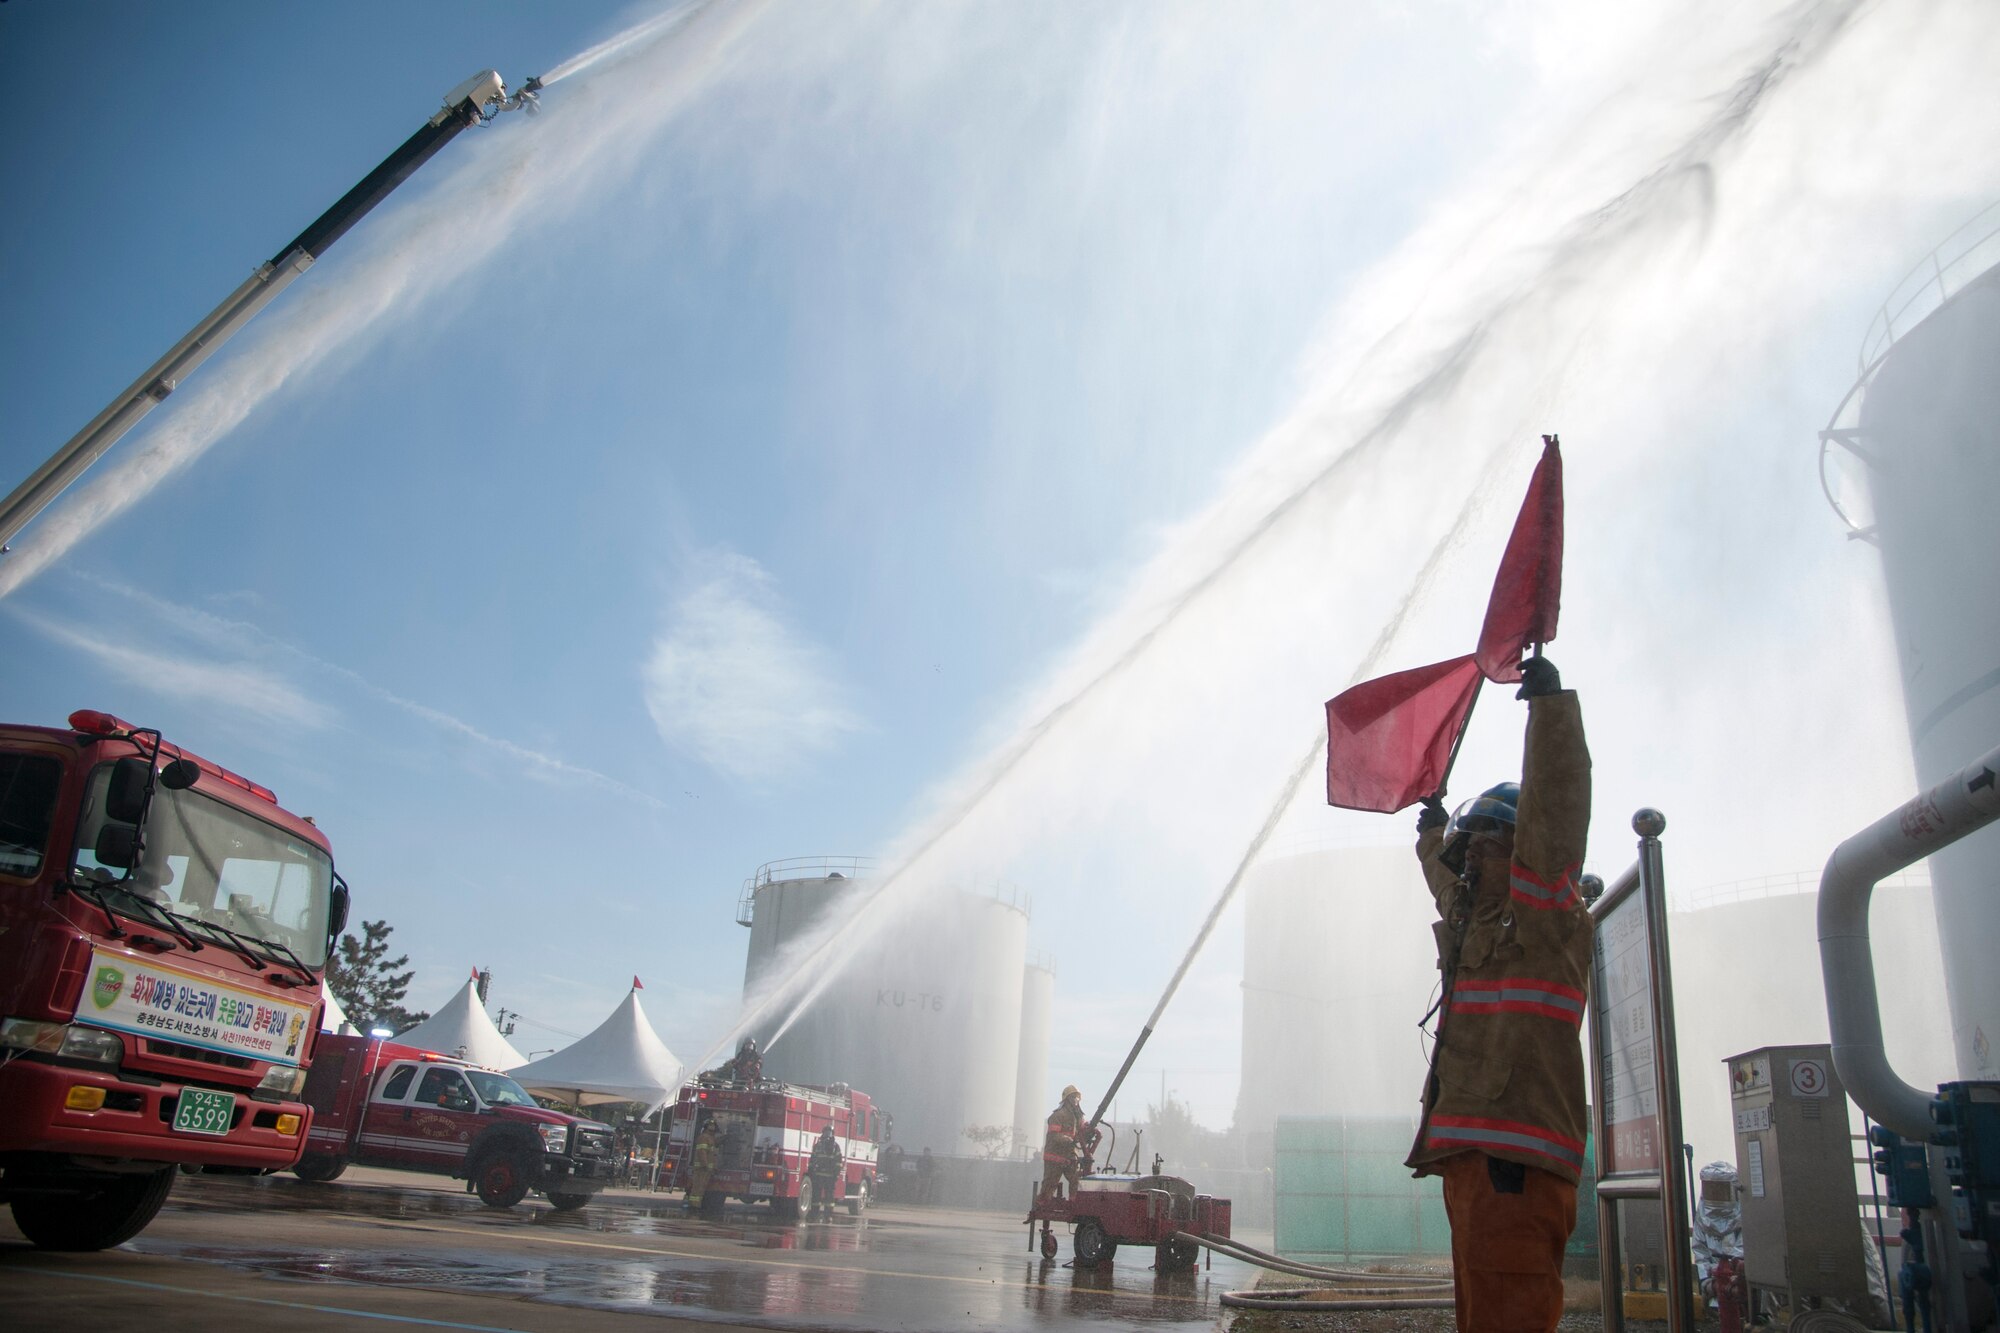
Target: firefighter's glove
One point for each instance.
(1538, 677)
(1431, 816)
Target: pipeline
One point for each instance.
(1367, 1291)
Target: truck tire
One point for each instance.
(320, 1167)
(501, 1181)
(857, 1202)
(1174, 1255)
(568, 1203)
(1092, 1246)
(93, 1219)
(803, 1205)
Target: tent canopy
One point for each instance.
(333, 1018)
(622, 1060)
(462, 1029)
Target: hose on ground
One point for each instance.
(1237, 1250)
(1365, 1291)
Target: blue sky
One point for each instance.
(726, 464)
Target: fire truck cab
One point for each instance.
(378, 1103)
(766, 1134)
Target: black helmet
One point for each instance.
(748, 1047)
(1489, 812)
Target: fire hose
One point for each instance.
(1357, 1290)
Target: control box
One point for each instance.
(1803, 1243)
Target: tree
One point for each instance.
(995, 1141)
(367, 984)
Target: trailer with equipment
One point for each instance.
(163, 927)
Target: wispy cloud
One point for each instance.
(731, 683)
(244, 687)
(243, 639)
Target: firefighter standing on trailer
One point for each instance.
(706, 1153)
(1060, 1146)
(1504, 1106)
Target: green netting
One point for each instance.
(1341, 1190)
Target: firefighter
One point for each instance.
(707, 1151)
(749, 1066)
(1504, 1120)
(824, 1169)
(1060, 1145)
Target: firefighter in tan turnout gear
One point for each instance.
(1504, 1119)
(1062, 1145)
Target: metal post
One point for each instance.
(1649, 825)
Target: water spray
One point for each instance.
(475, 102)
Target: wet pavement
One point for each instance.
(373, 1235)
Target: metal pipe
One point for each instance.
(1649, 825)
(1961, 804)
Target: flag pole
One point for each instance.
(1458, 740)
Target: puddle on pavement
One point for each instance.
(944, 1278)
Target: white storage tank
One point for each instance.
(1032, 1102)
(1928, 433)
(924, 1015)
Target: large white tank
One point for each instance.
(1338, 967)
(1928, 427)
(1031, 1070)
(924, 1016)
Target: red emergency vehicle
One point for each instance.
(378, 1103)
(163, 926)
(766, 1134)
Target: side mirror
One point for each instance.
(117, 845)
(180, 775)
(336, 909)
(126, 799)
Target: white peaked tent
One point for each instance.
(333, 1018)
(462, 1029)
(622, 1060)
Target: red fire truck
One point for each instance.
(381, 1104)
(163, 926)
(766, 1134)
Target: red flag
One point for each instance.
(475, 974)
(636, 985)
(1389, 740)
(1528, 590)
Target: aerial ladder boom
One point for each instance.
(478, 99)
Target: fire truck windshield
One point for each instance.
(217, 870)
(498, 1089)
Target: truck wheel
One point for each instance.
(857, 1202)
(1048, 1245)
(1092, 1246)
(1174, 1255)
(568, 1203)
(502, 1180)
(93, 1219)
(319, 1167)
(803, 1205)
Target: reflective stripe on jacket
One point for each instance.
(1507, 1074)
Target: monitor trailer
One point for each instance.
(164, 926)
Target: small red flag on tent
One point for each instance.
(475, 974)
(1390, 740)
(636, 985)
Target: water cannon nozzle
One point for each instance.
(527, 98)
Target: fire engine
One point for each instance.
(766, 1132)
(163, 926)
(378, 1103)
